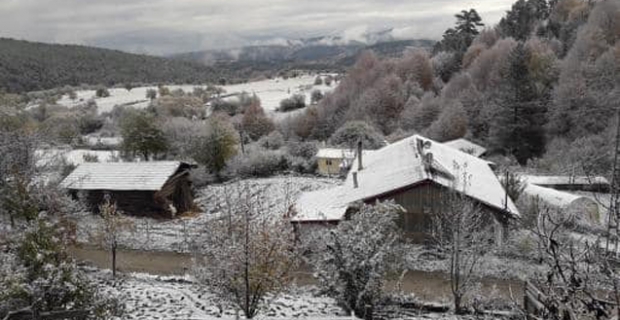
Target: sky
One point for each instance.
(164, 27)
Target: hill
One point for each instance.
(318, 53)
(28, 66)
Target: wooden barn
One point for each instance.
(160, 188)
(416, 173)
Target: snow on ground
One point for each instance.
(177, 234)
(153, 297)
(270, 92)
(53, 156)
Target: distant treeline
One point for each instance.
(29, 66)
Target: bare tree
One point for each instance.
(580, 281)
(248, 255)
(112, 227)
(462, 231)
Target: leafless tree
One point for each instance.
(462, 231)
(247, 255)
(112, 228)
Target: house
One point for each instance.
(332, 161)
(414, 172)
(467, 146)
(139, 188)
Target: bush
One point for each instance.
(258, 162)
(272, 141)
(297, 101)
(102, 92)
(318, 81)
(230, 107)
(316, 96)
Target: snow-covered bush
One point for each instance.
(37, 274)
(272, 141)
(352, 260)
(257, 162)
(306, 150)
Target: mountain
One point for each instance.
(28, 66)
(332, 52)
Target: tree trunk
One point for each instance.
(457, 303)
(114, 260)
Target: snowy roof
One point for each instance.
(467, 147)
(554, 197)
(143, 176)
(401, 165)
(332, 153)
(565, 180)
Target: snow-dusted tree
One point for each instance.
(353, 260)
(246, 257)
(112, 227)
(451, 124)
(255, 122)
(37, 276)
(218, 145)
(142, 135)
(352, 132)
(463, 232)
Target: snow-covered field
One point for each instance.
(177, 234)
(270, 92)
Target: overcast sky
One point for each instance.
(171, 26)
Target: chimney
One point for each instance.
(359, 155)
(355, 183)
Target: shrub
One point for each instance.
(230, 107)
(316, 96)
(318, 81)
(272, 141)
(102, 92)
(258, 162)
(297, 101)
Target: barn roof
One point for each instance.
(467, 147)
(126, 176)
(400, 166)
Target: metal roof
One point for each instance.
(122, 176)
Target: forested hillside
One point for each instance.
(542, 87)
(28, 66)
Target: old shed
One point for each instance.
(161, 188)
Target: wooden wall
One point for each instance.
(421, 201)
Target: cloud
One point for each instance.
(169, 26)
